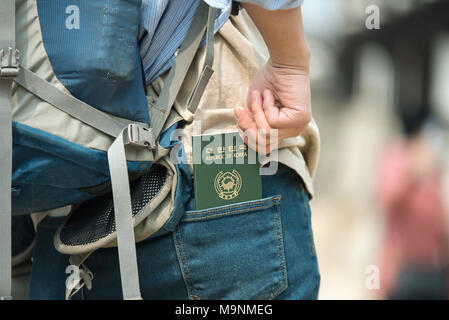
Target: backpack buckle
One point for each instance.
(141, 136)
(9, 67)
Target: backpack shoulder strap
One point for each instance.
(8, 71)
(69, 104)
(207, 70)
(204, 20)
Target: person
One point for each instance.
(414, 256)
(262, 249)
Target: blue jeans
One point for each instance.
(261, 249)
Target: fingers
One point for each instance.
(245, 119)
(270, 109)
(289, 118)
(295, 106)
(257, 110)
(261, 137)
(246, 124)
(254, 126)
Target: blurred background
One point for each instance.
(380, 81)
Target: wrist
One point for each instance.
(298, 63)
(294, 59)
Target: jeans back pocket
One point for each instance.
(234, 251)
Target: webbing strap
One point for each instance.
(160, 110)
(8, 68)
(117, 155)
(207, 70)
(69, 104)
(123, 217)
(5, 188)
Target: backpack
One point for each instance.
(76, 124)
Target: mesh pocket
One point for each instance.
(94, 220)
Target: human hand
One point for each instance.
(278, 99)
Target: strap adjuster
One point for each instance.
(9, 67)
(141, 136)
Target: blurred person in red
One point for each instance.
(414, 257)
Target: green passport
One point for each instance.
(225, 170)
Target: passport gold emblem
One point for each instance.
(228, 184)
(224, 173)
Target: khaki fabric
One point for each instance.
(239, 53)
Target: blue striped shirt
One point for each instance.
(164, 24)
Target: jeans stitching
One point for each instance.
(231, 207)
(230, 212)
(309, 231)
(183, 264)
(280, 248)
(309, 216)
